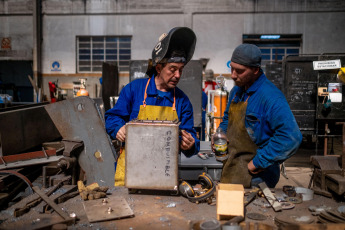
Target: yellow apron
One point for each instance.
(146, 112)
(241, 148)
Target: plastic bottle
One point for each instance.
(220, 144)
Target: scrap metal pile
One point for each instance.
(46, 149)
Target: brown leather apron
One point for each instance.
(241, 148)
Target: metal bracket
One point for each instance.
(71, 146)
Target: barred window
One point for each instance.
(275, 47)
(92, 51)
(276, 52)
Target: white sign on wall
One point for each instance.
(329, 64)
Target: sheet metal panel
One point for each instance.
(300, 88)
(152, 150)
(191, 84)
(80, 119)
(24, 129)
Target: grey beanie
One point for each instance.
(247, 54)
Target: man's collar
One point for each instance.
(256, 84)
(152, 90)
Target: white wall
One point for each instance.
(60, 35)
(219, 26)
(19, 29)
(219, 34)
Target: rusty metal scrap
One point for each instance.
(67, 219)
(28, 156)
(36, 200)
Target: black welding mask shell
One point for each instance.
(178, 37)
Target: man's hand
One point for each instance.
(187, 141)
(121, 134)
(252, 169)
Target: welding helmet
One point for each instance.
(178, 38)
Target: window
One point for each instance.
(92, 51)
(276, 52)
(275, 47)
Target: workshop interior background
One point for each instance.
(68, 45)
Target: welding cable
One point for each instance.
(210, 186)
(200, 198)
(21, 176)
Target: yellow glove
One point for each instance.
(92, 191)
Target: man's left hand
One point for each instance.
(252, 169)
(187, 141)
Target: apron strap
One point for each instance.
(174, 107)
(145, 96)
(236, 95)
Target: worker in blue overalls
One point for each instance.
(157, 97)
(261, 129)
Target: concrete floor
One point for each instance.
(295, 176)
(176, 212)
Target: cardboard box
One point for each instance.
(230, 201)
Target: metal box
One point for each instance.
(152, 149)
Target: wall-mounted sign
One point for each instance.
(6, 43)
(228, 66)
(55, 66)
(329, 64)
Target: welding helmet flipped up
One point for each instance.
(177, 38)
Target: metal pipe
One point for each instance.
(325, 141)
(343, 149)
(21, 176)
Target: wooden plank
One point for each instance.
(270, 197)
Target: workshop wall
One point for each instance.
(219, 26)
(19, 30)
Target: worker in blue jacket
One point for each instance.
(157, 97)
(261, 129)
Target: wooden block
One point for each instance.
(270, 197)
(230, 201)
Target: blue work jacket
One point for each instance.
(269, 122)
(132, 96)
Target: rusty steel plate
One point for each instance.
(107, 209)
(79, 119)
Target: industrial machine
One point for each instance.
(329, 170)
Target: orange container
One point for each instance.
(220, 101)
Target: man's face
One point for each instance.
(169, 74)
(243, 75)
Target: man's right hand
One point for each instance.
(121, 134)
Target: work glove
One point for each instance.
(92, 191)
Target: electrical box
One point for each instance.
(152, 150)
